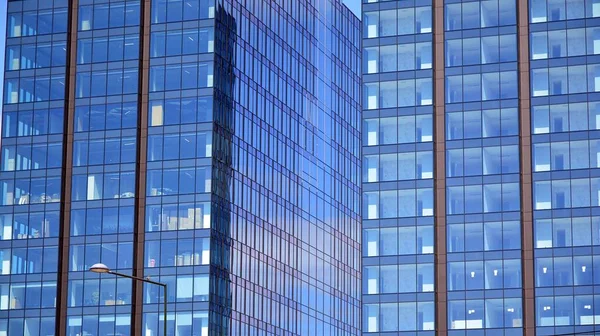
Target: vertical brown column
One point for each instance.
(441, 306)
(140, 194)
(526, 186)
(67, 173)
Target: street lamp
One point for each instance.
(101, 268)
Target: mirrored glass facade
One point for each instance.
(398, 199)
(564, 107)
(103, 166)
(211, 145)
(31, 165)
(483, 231)
(484, 113)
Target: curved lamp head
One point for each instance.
(99, 268)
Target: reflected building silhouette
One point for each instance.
(285, 255)
(222, 201)
(211, 145)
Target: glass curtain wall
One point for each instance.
(482, 168)
(290, 127)
(178, 178)
(565, 109)
(104, 173)
(30, 165)
(398, 236)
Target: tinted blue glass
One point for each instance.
(554, 231)
(400, 206)
(31, 147)
(474, 96)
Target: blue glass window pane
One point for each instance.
(13, 56)
(155, 147)
(84, 51)
(80, 153)
(205, 106)
(473, 199)
(172, 111)
(207, 9)
(128, 150)
(15, 24)
(187, 181)
(508, 84)
(470, 15)
(44, 24)
(173, 77)
(157, 78)
(28, 56)
(471, 51)
(189, 74)
(101, 12)
(99, 84)
(192, 8)
(9, 124)
(96, 152)
(472, 87)
(127, 185)
(59, 54)
(40, 124)
(159, 11)
(130, 81)
(57, 87)
(115, 48)
(126, 219)
(129, 115)
(97, 117)
(42, 88)
(188, 110)
(205, 72)
(44, 55)
(85, 17)
(132, 13)
(157, 44)
(60, 21)
(100, 49)
(173, 42)
(131, 47)
(29, 24)
(82, 116)
(174, 10)
(117, 14)
(191, 42)
(113, 116)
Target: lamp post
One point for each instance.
(101, 268)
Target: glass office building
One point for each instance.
(212, 145)
(398, 197)
(480, 189)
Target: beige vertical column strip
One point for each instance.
(67, 173)
(140, 195)
(526, 186)
(441, 306)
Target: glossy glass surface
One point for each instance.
(104, 154)
(482, 169)
(30, 169)
(286, 168)
(252, 181)
(178, 212)
(30, 165)
(398, 239)
(564, 108)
